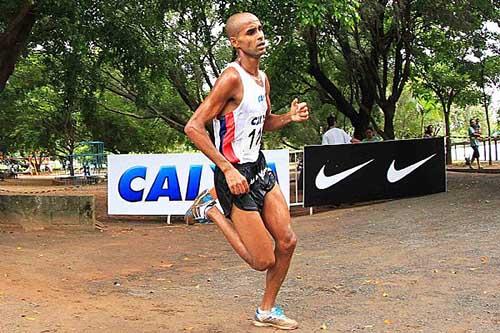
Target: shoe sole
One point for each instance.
(286, 328)
(189, 218)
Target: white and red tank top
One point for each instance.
(238, 133)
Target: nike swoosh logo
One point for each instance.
(394, 175)
(323, 181)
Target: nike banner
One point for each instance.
(352, 173)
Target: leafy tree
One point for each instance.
(17, 18)
(442, 62)
(486, 49)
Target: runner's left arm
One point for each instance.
(299, 112)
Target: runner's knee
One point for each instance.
(288, 243)
(263, 264)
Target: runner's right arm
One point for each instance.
(222, 93)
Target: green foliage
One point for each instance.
(315, 12)
(130, 73)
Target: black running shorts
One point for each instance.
(475, 152)
(260, 178)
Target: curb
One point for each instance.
(488, 171)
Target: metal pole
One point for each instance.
(496, 150)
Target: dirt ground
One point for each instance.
(424, 264)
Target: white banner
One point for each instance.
(167, 184)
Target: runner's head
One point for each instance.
(245, 33)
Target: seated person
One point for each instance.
(371, 136)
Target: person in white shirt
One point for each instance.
(334, 135)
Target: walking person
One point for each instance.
(474, 136)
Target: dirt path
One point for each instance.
(427, 264)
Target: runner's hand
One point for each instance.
(237, 183)
(299, 111)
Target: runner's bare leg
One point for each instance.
(276, 217)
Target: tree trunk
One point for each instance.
(422, 131)
(489, 128)
(389, 109)
(447, 135)
(361, 124)
(14, 39)
(334, 94)
(485, 104)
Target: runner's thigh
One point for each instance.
(253, 233)
(276, 215)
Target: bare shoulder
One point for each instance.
(227, 89)
(229, 77)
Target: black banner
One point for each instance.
(351, 173)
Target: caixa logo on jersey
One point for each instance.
(167, 184)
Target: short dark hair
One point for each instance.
(330, 120)
(369, 128)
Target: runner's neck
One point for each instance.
(251, 66)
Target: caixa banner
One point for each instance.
(352, 173)
(167, 184)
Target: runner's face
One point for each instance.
(251, 39)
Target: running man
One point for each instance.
(240, 108)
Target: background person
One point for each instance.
(474, 143)
(429, 132)
(334, 135)
(371, 136)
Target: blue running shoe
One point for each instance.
(197, 212)
(274, 318)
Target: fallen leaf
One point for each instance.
(484, 259)
(385, 294)
(323, 327)
(388, 322)
(166, 265)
